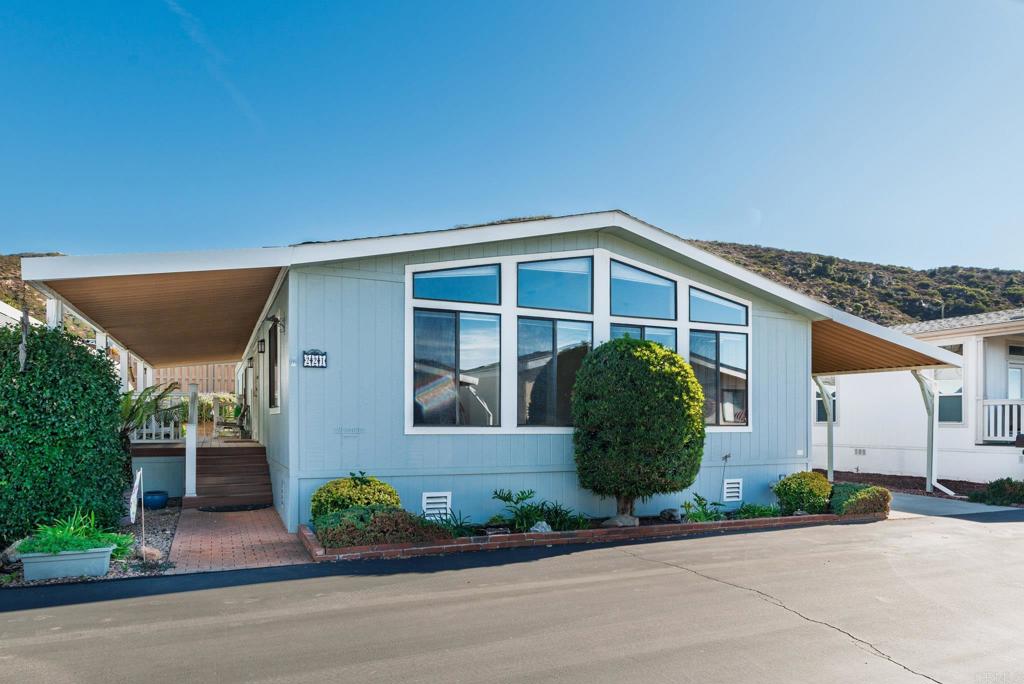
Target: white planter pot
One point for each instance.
(91, 563)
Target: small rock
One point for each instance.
(670, 514)
(622, 521)
(542, 526)
(151, 555)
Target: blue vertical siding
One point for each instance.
(350, 416)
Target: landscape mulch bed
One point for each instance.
(516, 540)
(160, 527)
(906, 484)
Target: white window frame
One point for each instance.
(962, 423)
(274, 410)
(835, 402)
(601, 320)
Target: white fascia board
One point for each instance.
(61, 267)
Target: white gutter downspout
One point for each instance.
(929, 393)
(826, 400)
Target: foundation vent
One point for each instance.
(437, 504)
(732, 490)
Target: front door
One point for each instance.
(1015, 381)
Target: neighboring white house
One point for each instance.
(880, 423)
(11, 316)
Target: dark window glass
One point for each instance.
(562, 284)
(663, 336)
(619, 331)
(708, 308)
(819, 405)
(640, 294)
(550, 353)
(719, 361)
(444, 341)
(479, 284)
(951, 409)
(950, 382)
(274, 376)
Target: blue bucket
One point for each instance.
(155, 499)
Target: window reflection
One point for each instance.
(562, 284)
(719, 361)
(550, 353)
(638, 293)
(708, 308)
(478, 284)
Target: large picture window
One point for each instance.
(274, 368)
(476, 284)
(560, 284)
(719, 361)
(550, 353)
(663, 336)
(708, 308)
(641, 294)
(456, 368)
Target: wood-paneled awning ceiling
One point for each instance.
(174, 319)
(838, 349)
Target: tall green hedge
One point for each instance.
(639, 422)
(59, 421)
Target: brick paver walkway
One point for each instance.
(230, 541)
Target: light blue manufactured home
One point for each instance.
(443, 361)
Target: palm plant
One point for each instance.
(138, 407)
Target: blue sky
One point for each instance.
(884, 131)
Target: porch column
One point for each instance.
(101, 343)
(140, 374)
(54, 313)
(929, 393)
(830, 447)
(125, 375)
(191, 431)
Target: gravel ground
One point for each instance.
(160, 527)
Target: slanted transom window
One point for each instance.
(641, 294)
(559, 284)
(480, 284)
(709, 308)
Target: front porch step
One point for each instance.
(220, 500)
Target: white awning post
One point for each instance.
(930, 394)
(125, 375)
(830, 447)
(190, 439)
(54, 313)
(101, 343)
(140, 374)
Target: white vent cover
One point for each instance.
(437, 504)
(732, 490)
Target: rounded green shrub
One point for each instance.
(804, 491)
(60, 448)
(352, 491)
(866, 500)
(639, 422)
(375, 524)
(1002, 492)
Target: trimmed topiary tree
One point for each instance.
(638, 413)
(59, 444)
(805, 491)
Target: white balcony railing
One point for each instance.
(1002, 419)
(164, 426)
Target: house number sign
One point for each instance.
(314, 358)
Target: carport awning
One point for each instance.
(839, 349)
(177, 318)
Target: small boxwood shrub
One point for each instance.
(867, 500)
(60, 448)
(804, 491)
(375, 524)
(1003, 492)
(351, 491)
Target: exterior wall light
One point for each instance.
(261, 346)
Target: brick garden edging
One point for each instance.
(511, 541)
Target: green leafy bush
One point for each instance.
(59, 433)
(455, 524)
(375, 524)
(354, 490)
(638, 412)
(841, 493)
(524, 513)
(77, 532)
(752, 510)
(1003, 492)
(804, 491)
(872, 499)
(702, 510)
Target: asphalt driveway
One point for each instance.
(910, 600)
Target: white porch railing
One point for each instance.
(1002, 419)
(163, 427)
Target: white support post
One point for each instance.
(54, 313)
(125, 376)
(930, 394)
(191, 431)
(140, 374)
(101, 343)
(826, 400)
